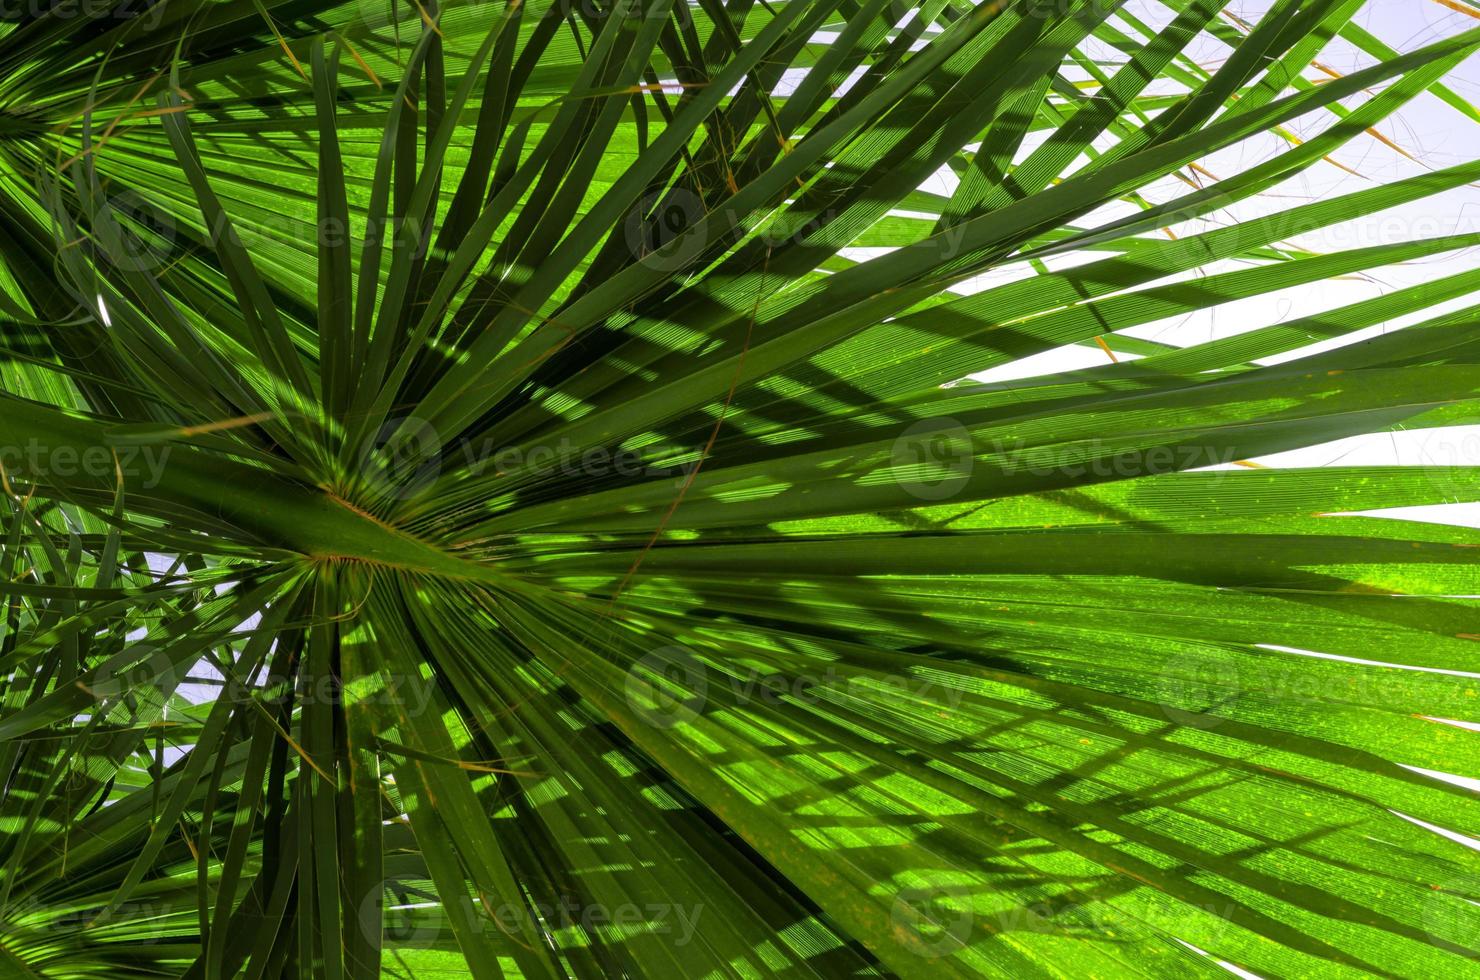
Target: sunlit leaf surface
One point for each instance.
(497, 489)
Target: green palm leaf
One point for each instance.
(499, 490)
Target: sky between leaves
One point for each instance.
(1428, 135)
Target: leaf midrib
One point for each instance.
(270, 509)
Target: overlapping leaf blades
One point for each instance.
(592, 571)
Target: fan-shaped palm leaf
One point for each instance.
(474, 506)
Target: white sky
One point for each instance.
(1433, 133)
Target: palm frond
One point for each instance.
(499, 489)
